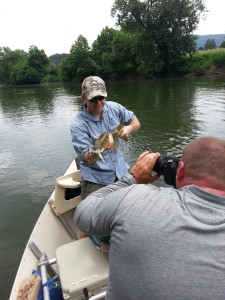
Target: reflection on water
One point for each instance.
(172, 112)
(36, 145)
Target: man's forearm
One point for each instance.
(134, 125)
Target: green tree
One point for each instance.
(124, 56)
(165, 27)
(30, 69)
(3, 51)
(79, 63)
(52, 73)
(222, 44)
(8, 59)
(38, 60)
(112, 51)
(22, 73)
(210, 44)
(146, 58)
(19, 67)
(103, 46)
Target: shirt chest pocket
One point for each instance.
(113, 123)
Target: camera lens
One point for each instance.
(166, 165)
(160, 164)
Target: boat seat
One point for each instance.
(81, 265)
(67, 184)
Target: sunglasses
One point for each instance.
(98, 98)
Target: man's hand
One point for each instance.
(124, 133)
(142, 170)
(110, 142)
(127, 130)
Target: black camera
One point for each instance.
(166, 165)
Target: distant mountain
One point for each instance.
(219, 38)
(57, 58)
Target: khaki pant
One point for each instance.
(88, 187)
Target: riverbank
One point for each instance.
(213, 70)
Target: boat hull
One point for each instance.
(48, 234)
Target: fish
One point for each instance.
(103, 140)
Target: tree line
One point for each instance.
(19, 67)
(155, 39)
(211, 44)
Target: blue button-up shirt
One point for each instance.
(85, 127)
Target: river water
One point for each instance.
(36, 145)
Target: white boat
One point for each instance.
(54, 247)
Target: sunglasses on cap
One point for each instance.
(98, 98)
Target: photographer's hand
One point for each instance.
(142, 170)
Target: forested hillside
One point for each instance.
(57, 58)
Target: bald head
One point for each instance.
(204, 160)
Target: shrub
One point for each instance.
(201, 61)
(218, 57)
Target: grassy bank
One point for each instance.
(203, 62)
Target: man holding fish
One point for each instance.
(96, 135)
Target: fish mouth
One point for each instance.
(98, 151)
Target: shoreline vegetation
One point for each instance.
(200, 63)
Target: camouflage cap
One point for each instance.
(93, 86)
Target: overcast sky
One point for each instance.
(55, 25)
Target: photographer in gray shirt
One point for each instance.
(166, 243)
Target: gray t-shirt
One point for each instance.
(165, 244)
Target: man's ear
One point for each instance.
(180, 170)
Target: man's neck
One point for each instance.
(96, 115)
(202, 184)
(213, 191)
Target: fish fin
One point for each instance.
(99, 154)
(119, 127)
